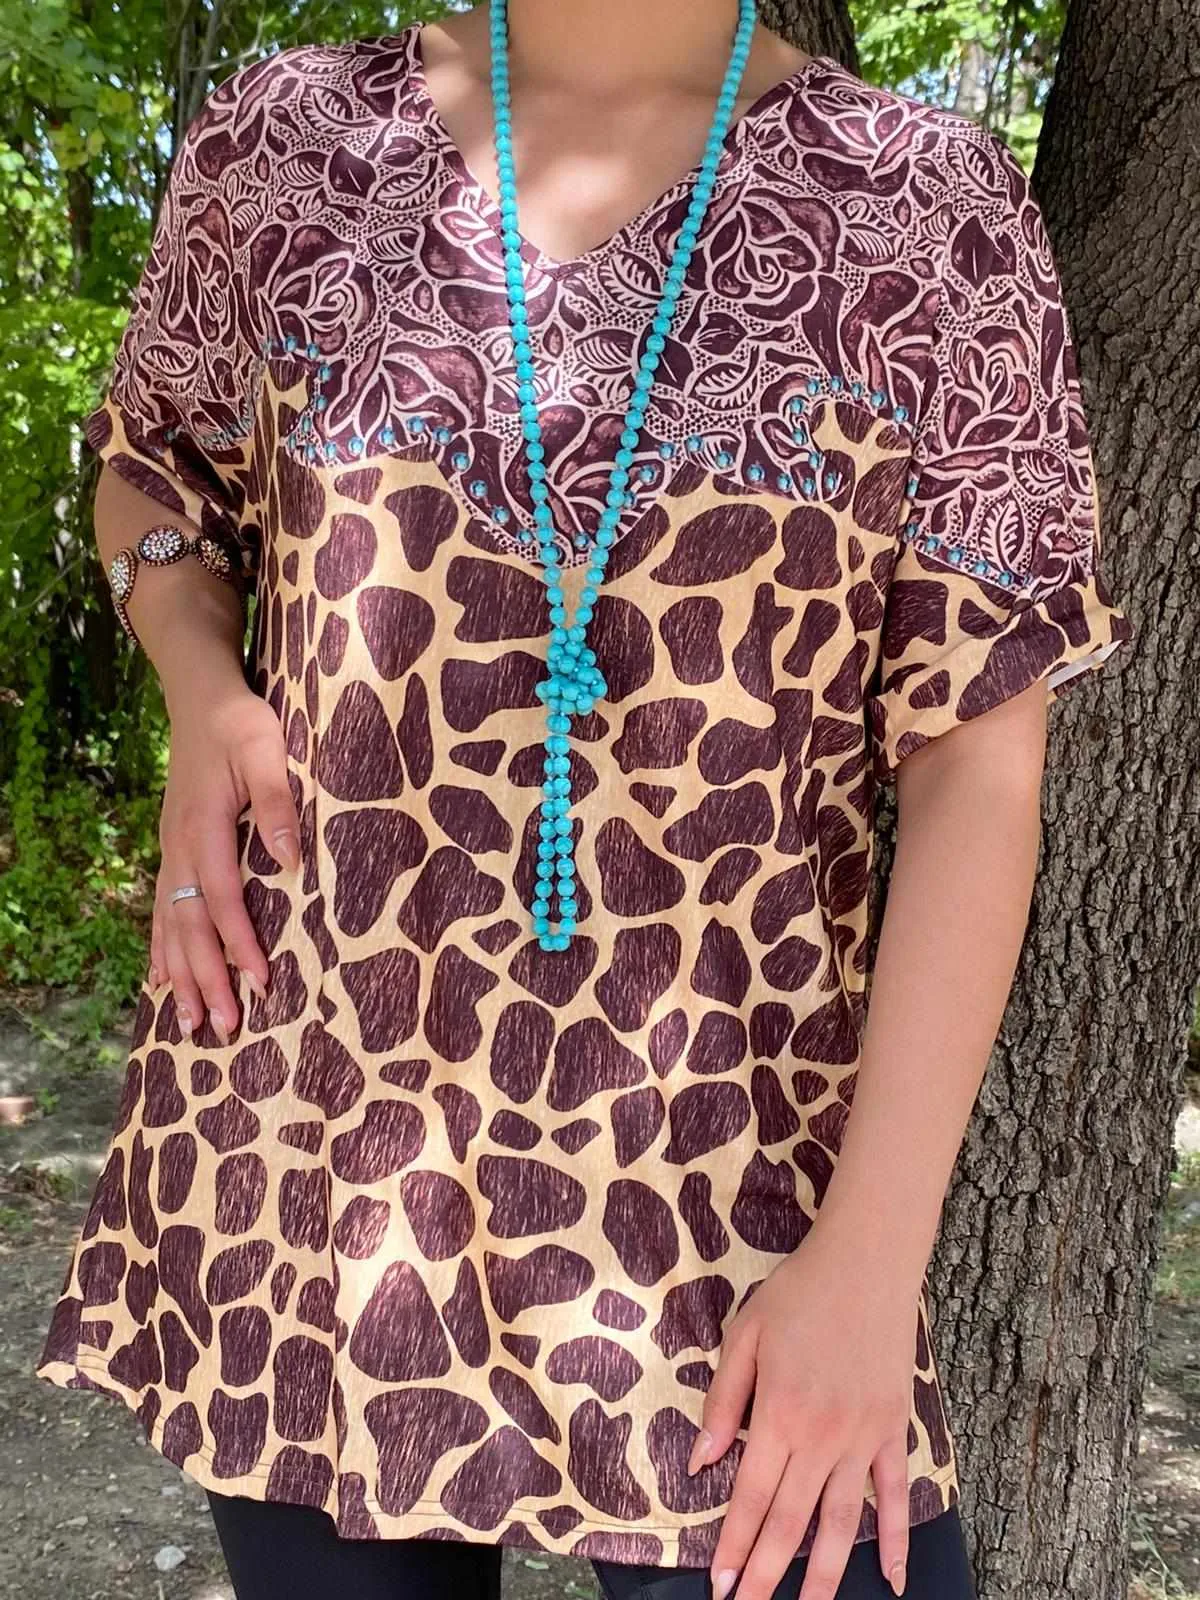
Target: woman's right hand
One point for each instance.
(226, 750)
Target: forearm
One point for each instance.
(188, 621)
(956, 914)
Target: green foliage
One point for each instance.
(91, 96)
(79, 872)
(992, 62)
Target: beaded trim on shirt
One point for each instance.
(805, 473)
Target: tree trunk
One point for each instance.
(821, 27)
(1043, 1272)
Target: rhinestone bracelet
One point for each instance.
(162, 546)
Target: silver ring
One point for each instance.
(187, 891)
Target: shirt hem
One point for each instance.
(197, 1464)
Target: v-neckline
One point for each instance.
(489, 209)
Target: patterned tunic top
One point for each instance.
(444, 1240)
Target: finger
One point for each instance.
(763, 1464)
(839, 1517)
(225, 898)
(202, 951)
(158, 971)
(779, 1538)
(728, 1395)
(264, 772)
(189, 1005)
(889, 1470)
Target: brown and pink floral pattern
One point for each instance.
(446, 1238)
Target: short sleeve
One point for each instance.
(177, 418)
(996, 583)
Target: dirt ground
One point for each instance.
(91, 1512)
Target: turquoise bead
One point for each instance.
(575, 682)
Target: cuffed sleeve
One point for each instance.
(177, 417)
(997, 582)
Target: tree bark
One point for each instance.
(821, 27)
(1043, 1272)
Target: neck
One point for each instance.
(622, 44)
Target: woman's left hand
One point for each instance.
(826, 1351)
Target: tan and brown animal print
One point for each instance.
(445, 1240)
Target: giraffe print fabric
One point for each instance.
(444, 1240)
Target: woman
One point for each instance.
(486, 1172)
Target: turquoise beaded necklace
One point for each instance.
(576, 682)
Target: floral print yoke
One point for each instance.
(444, 1240)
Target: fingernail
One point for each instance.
(152, 976)
(699, 1451)
(725, 1582)
(220, 1027)
(256, 983)
(289, 847)
(185, 1021)
(897, 1577)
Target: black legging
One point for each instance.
(276, 1551)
